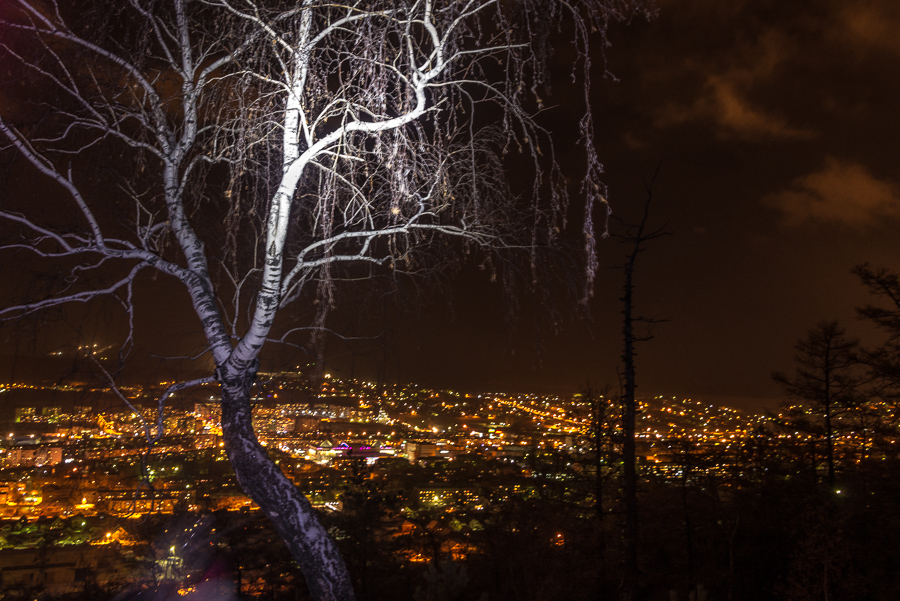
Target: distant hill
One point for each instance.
(12, 399)
(46, 369)
(72, 369)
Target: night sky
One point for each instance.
(775, 128)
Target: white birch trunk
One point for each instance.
(290, 512)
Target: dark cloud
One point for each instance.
(843, 192)
(725, 98)
(868, 25)
(769, 70)
(724, 103)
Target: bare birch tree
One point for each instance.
(259, 152)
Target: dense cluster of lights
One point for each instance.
(331, 422)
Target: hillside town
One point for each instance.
(78, 484)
